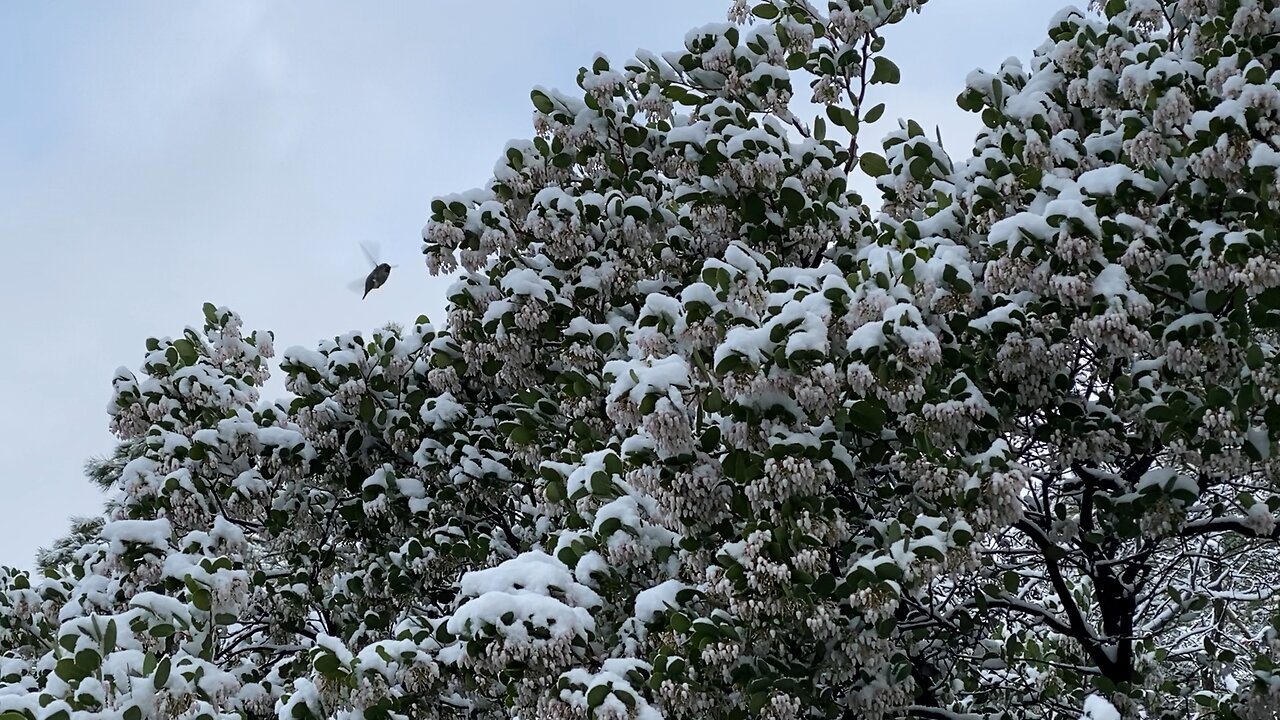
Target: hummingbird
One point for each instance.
(378, 276)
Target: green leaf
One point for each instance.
(541, 102)
(601, 484)
(825, 584)
(597, 695)
(919, 169)
(67, 670)
(1012, 581)
(1254, 357)
(161, 677)
(88, 660)
(874, 113)
(753, 209)
(186, 351)
(366, 409)
(885, 71)
(327, 663)
(680, 622)
(873, 165)
(867, 416)
(1206, 699)
(554, 491)
(889, 570)
(109, 638)
(710, 439)
(792, 199)
(765, 11)
(849, 120)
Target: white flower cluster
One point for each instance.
(784, 479)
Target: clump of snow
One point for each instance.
(532, 573)
(654, 602)
(154, 533)
(635, 379)
(1097, 707)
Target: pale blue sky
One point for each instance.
(157, 155)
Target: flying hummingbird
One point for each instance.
(377, 277)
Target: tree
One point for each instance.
(705, 436)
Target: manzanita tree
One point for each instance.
(705, 436)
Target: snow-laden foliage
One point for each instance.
(703, 436)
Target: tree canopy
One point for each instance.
(705, 434)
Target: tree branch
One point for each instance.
(1221, 525)
(1053, 621)
(1080, 630)
(924, 711)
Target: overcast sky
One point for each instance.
(158, 155)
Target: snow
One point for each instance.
(1010, 231)
(335, 646)
(471, 472)
(525, 608)
(699, 292)
(866, 337)
(1112, 282)
(281, 437)
(696, 134)
(161, 606)
(304, 356)
(744, 259)
(1167, 480)
(652, 603)
(749, 342)
(529, 574)
(904, 319)
(1107, 179)
(811, 335)
(524, 281)
(411, 487)
(442, 412)
(624, 508)
(1264, 156)
(1002, 314)
(1098, 708)
(665, 307)
(636, 379)
(1074, 209)
(591, 563)
(1035, 97)
(155, 533)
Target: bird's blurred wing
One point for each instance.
(356, 286)
(370, 250)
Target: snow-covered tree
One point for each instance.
(706, 436)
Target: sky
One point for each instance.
(156, 155)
